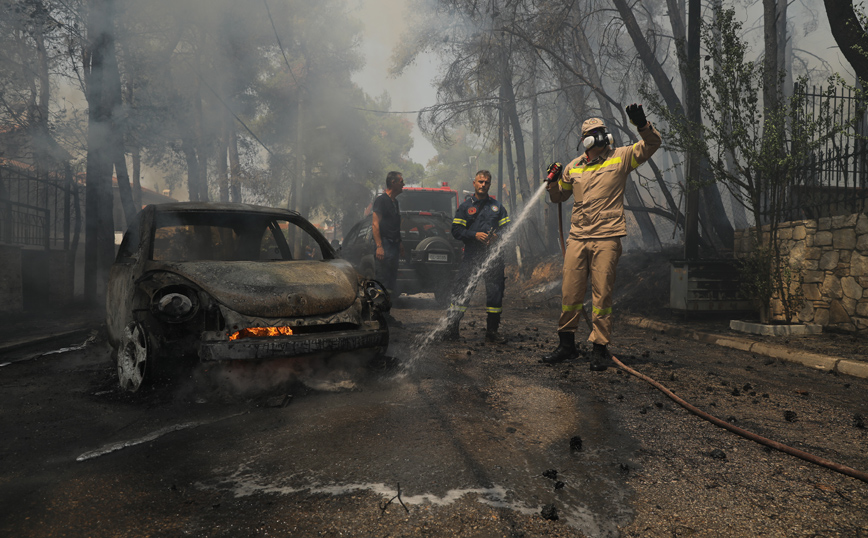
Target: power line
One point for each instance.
(234, 115)
(279, 44)
(388, 111)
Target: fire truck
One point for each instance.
(442, 199)
(435, 199)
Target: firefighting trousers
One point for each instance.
(596, 259)
(495, 283)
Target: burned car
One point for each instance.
(432, 254)
(217, 281)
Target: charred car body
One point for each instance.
(216, 281)
(432, 254)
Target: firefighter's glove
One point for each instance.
(554, 172)
(637, 115)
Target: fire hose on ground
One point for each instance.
(849, 471)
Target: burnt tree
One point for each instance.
(99, 223)
(850, 35)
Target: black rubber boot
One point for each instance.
(566, 349)
(599, 358)
(491, 334)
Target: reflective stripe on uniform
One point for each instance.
(493, 309)
(565, 186)
(602, 311)
(571, 307)
(503, 221)
(595, 167)
(459, 221)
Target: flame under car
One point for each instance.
(216, 281)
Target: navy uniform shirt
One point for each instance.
(475, 215)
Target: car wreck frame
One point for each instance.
(217, 281)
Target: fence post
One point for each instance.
(67, 198)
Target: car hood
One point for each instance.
(276, 288)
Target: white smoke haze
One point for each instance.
(269, 101)
(384, 23)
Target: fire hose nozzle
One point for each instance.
(554, 172)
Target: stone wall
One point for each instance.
(829, 257)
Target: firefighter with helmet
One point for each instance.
(596, 180)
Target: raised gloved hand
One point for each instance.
(554, 172)
(637, 115)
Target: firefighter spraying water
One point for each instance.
(596, 180)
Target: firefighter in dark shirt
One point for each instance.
(478, 222)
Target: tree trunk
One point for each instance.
(510, 165)
(119, 159)
(691, 235)
(500, 154)
(234, 164)
(697, 166)
(848, 33)
(99, 225)
(661, 79)
(189, 149)
(785, 49)
(220, 161)
(118, 152)
(135, 150)
(536, 164)
(137, 176)
(298, 179)
(513, 121)
(222, 172)
(200, 148)
(39, 132)
(770, 58)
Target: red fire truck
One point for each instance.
(440, 199)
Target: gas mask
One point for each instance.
(597, 138)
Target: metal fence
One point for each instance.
(36, 210)
(835, 178)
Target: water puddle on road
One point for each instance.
(244, 483)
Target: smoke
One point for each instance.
(385, 23)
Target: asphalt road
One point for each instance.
(453, 439)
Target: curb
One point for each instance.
(816, 361)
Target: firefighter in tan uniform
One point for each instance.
(596, 180)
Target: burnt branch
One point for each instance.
(398, 496)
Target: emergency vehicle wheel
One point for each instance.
(132, 357)
(442, 294)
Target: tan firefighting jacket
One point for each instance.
(598, 187)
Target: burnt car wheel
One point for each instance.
(133, 356)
